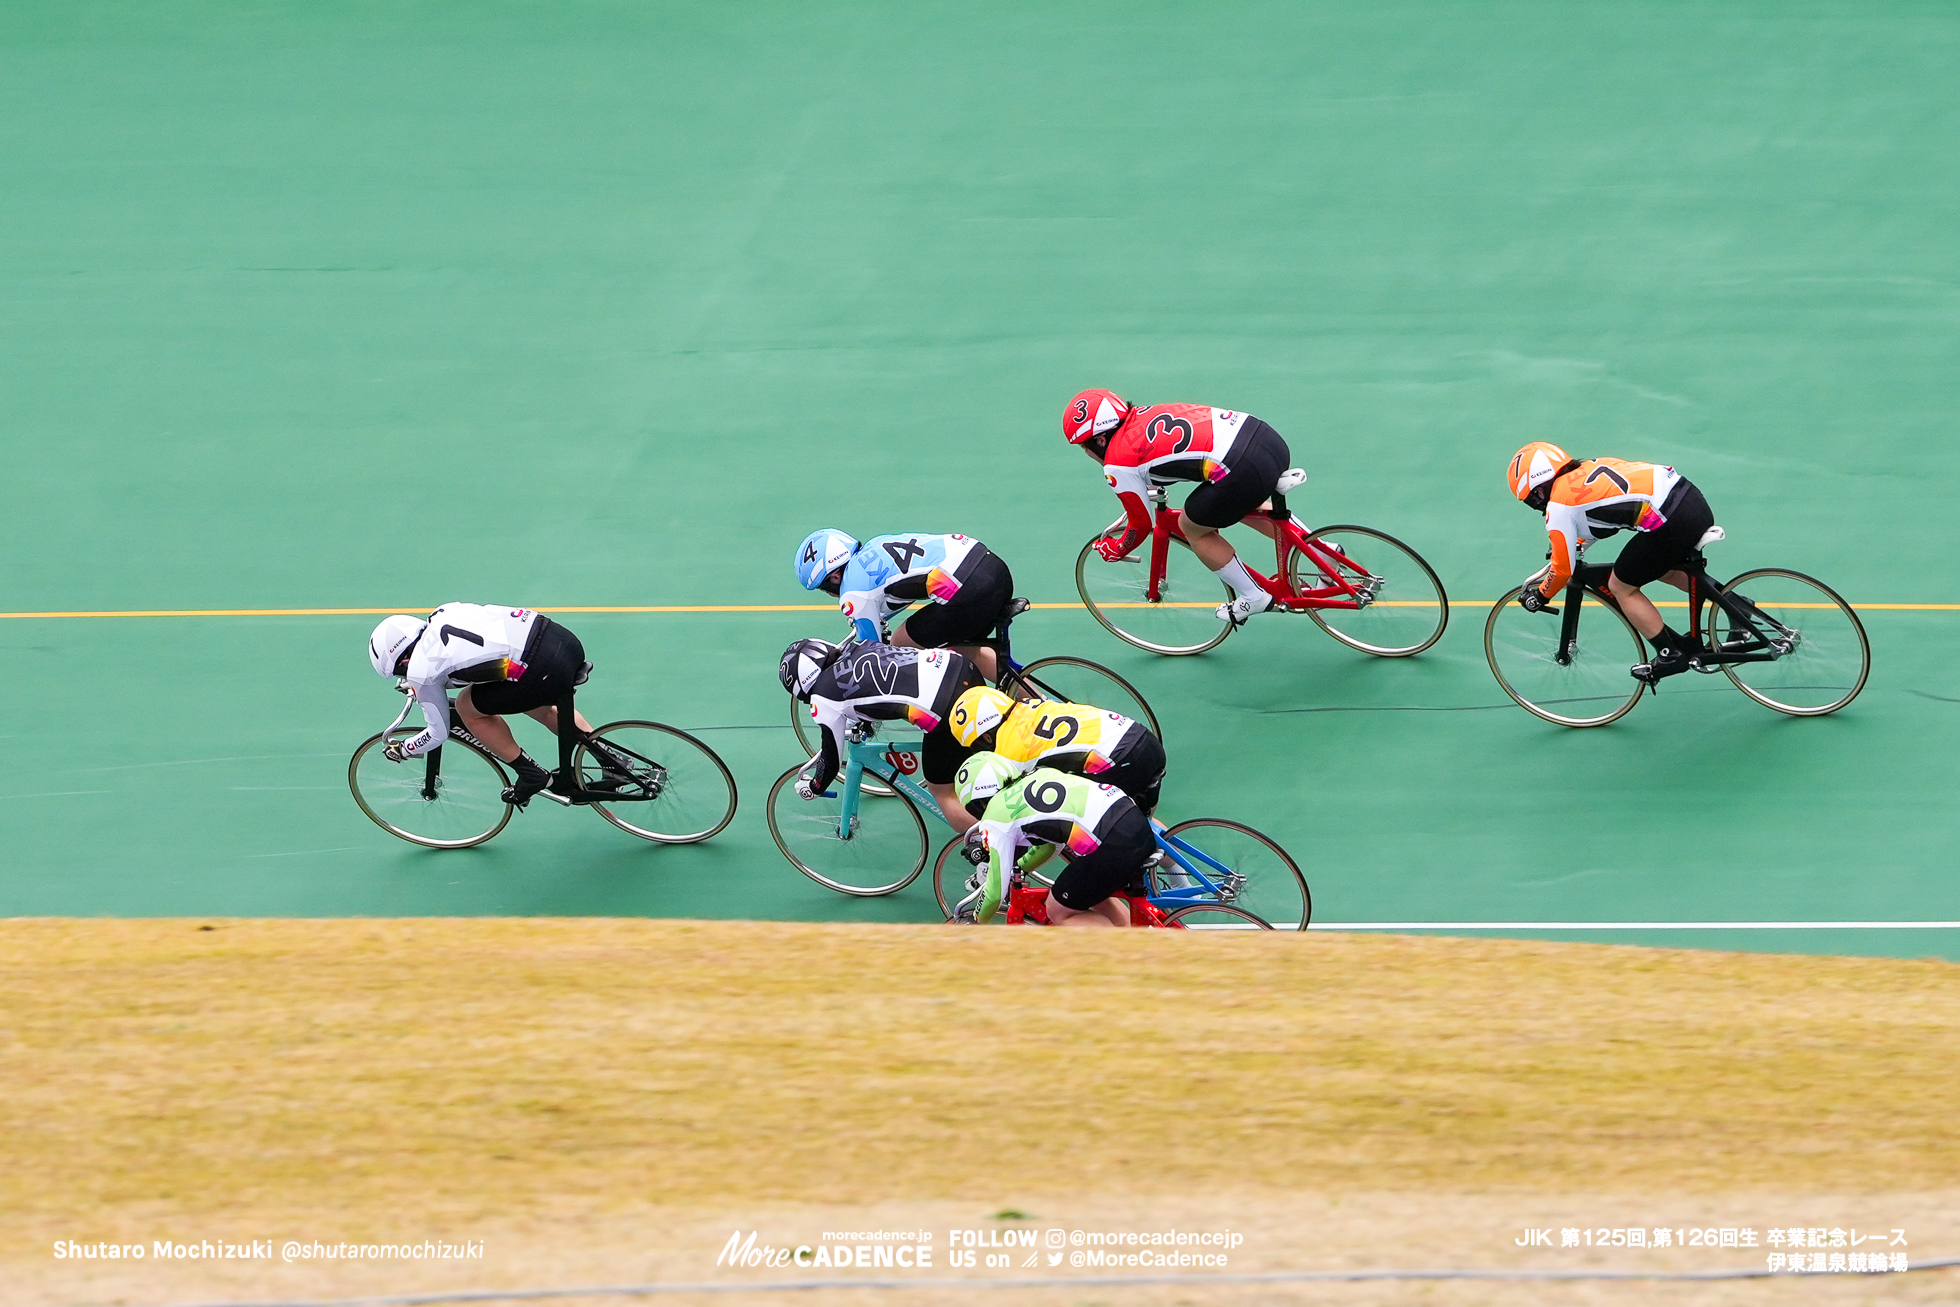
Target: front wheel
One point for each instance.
(881, 850)
(951, 872)
(1403, 609)
(1077, 680)
(1216, 916)
(1246, 870)
(809, 737)
(1182, 619)
(670, 788)
(1592, 685)
(449, 799)
(1822, 657)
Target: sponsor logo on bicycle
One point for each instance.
(904, 760)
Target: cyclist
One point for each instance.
(1589, 499)
(1236, 459)
(1073, 737)
(1099, 831)
(505, 660)
(882, 682)
(967, 585)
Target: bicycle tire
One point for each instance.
(1064, 672)
(1396, 624)
(809, 737)
(1274, 889)
(1831, 661)
(1215, 916)
(950, 870)
(697, 798)
(468, 810)
(1594, 689)
(872, 863)
(1176, 626)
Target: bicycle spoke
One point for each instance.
(1822, 655)
(1182, 619)
(1591, 687)
(1388, 601)
(662, 784)
(465, 806)
(1248, 871)
(879, 851)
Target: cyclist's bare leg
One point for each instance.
(493, 731)
(979, 655)
(549, 716)
(1112, 911)
(949, 803)
(1638, 607)
(1212, 549)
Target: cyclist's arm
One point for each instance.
(1566, 527)
(434, 699)
(829, 760)
(862, 597)
(1130, 485)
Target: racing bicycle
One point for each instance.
(1786, 640)
(1363, 587)
(676, 789)
(1069, 679)
(863, 843)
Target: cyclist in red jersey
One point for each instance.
(1235, 458)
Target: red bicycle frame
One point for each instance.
(1030, 903)
(1345, 584)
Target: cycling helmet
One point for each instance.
(981, 777)
(1093, 413)
(1537, 464)
(820, 554)
(391, 640)
(802, 662)
(978, 712)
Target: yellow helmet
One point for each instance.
(977, 712)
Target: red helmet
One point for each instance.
(1093, 413)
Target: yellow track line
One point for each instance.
(789, 608)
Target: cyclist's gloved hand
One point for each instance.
(392, 751)
(1112, 548)
(1531, 598)
(805, 790)
(975, 848)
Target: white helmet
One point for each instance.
(391, 640)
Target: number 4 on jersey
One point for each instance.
(902, 552)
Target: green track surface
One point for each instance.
(582, 304)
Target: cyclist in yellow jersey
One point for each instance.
(1104, 747)
(1589, 499)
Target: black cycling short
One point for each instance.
(1126, 845)
(1138, 768)
(1258, 457)
(554, 662)
(970, 616)
(941, 755)
(1650, 555)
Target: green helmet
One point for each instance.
(982, 777)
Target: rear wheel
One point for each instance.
(679, 791)
(1217, 916)
(1250, 871)
(460, 804)
(880, 851)
(1592, 687)
(1824, 657)
(1183, 619)
(1405, 609)
(1077, 680)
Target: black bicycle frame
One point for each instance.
(1702, 588)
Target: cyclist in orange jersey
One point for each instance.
(1584, 500)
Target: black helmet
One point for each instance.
(801, 663)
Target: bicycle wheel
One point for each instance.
(950, 872)
(1407, 609)
(1077, 680)
(1261, 878)
(1828, 656)
(1217, 916)
(809, 736)
(1184, 617)
(1593, 687)
(883, 851)
(681, 792)
(467, 806)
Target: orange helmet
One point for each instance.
(1535, 465)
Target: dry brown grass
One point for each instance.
(503, 1072)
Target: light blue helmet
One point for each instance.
(820, 554)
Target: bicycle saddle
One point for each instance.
(1015, 607)
(1291, 479)
(1710, 536)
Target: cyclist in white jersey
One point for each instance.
(505, 660)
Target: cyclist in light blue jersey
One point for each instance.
(966, 587)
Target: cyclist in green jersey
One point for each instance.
(1025, 819)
